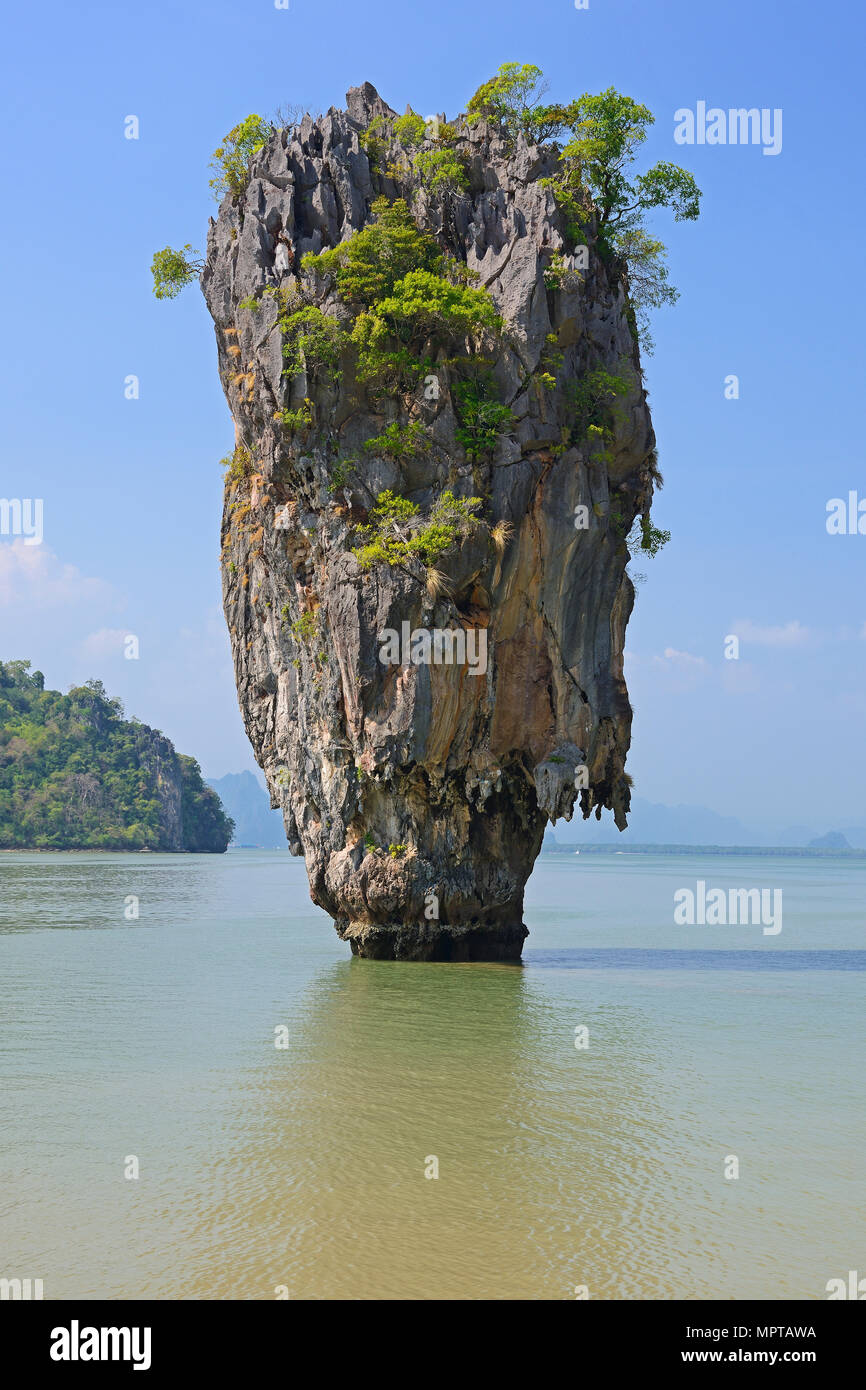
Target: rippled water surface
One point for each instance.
(304, 1166)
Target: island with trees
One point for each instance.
(74, 774)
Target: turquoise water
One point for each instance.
(302, 1169)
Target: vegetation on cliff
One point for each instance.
(408, 298)
(74, 774)
(396, 531)
(600, 137)
(594, 183)
(407, 303)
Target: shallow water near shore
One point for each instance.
(303, 1168)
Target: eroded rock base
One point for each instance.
(434, 941)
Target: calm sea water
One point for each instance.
(304, 1167)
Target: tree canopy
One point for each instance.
(173, 270)
(513, 101)
(607, 131)
(602, 134)
(231, 160)
(74, 774)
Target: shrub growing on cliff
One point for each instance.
(560, 276)
(400, 442)
(372, 142)
(451, 520)
(592, 401)
(312, 342)
(237, 465)
(426, 307)
(231, 160)
(648, 279)
(443, 171)
(512, 101)
(405, 292)
(287, 115)
(650, 538)
(368, 266)
(341, 470)
(386, 536)
(482, 417)
(410, 129)
(173, 270)
(607, 132)
(641, 536)
(305, 628)
(300, 419)
(395, 530)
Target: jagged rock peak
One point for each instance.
(364, 102)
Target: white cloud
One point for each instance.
(107, 642)
(671, 672)
(681, 661)
(33, 577)
(791, 634)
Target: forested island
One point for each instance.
(75, 774)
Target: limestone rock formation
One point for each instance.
(419, 793)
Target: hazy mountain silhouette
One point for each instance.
(651, 823)
(256, 825)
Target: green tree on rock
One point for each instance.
(231, 160)
(173, 270)
(512, 101)
(595, 182)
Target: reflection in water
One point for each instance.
(540, 1184)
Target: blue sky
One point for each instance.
(771, 290)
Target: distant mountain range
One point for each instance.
(651, 823)
(248, 804)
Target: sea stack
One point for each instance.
(417, 789)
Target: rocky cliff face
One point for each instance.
(419, 793)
